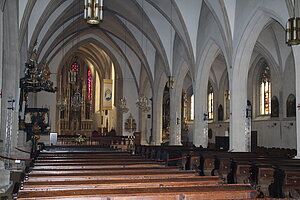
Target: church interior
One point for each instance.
(192, 99)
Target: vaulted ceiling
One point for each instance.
(135, 33)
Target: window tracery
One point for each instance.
(210, 102)
(265, 91)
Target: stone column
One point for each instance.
(200, 133)
(238, 103)
(296, 51)
(4, 178)
(200, 136)
(157, 119)
(1, 66)
(10, 69)
(175, 118)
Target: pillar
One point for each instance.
(175, 117)
(296, 51)
(238, 120)
(157, 119)
(10, 69)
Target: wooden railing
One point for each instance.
(103, 141)
(86, 128)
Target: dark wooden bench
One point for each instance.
(195, 192)
(123, 176)
(248, 168)
(119, 183)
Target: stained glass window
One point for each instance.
(210, 101)
(73, 72)
(75, 66)
(265, 91)
(192, 107)
(90, 87)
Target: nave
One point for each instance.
(188, 79)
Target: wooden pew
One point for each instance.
(195, 192)
(273, 175)
(246, 170)
(121, 176)
(127, 183)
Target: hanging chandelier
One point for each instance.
(122, 105)
(293, 30)
(143, 103)
(93, 11)
(171, 82)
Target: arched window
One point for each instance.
(75, 66)
(74, 71)
(275, 107)
(210, 101)
(220, 113)
(265, 91)
(291, 106)
(89, 86)
(192, 107)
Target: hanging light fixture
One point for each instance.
(143, 103)
(293, 29)
(170, 83)
(93, 11)
(122, 105)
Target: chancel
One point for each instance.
(147, 99)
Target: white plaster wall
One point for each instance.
(282, 134)
(48, 100)
(218, 129)
(288, 83)
(130, 95)
(268, 39)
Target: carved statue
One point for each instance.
(33, 57)
(46, 72)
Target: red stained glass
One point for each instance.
(90, 86)
(75, 66)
